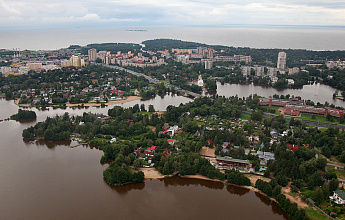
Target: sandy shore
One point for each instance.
(254, 178)
(151, 173)
(285, 190)
(129, 99)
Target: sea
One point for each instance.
(282, 37)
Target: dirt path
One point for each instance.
(286, 190)
(254, 178)
(208, 152)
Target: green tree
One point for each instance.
(318, 196)
(151, 108)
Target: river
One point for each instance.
(54, 181)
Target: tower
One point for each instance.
(281, 63)
(92, 55)
(200, 81)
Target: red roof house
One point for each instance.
(171, 141)
(292, 147)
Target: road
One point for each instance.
(155, 81)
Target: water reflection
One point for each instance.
(180, 181)
(25, 121)
(126, 188)
(240, 191)
(264, 199)
(54, 144)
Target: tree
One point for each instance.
(292, 122)
(151, 108)
(49, 135)
(142, 108)
(333, 185)
(276, 191)
(282, 180)
(137, 164)
(318, 196)
(256, 116)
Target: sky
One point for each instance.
(88, 13)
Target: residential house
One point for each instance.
(265, 157)
(172, 130)
(171, 141)
(292, 147)
(338, 197)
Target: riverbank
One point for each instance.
(90, 104)
(114, 102)
(151, 174)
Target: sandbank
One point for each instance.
(151, 173)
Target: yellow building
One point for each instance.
(77, 61)
(183, 51)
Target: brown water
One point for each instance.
(54, 181)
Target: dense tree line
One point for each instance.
(237, 178)
(120, 174)
(273, 189)
(52, 129)
(24, 114)
(112, 47)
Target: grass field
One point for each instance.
(246, 116)
(315, 214)
(340, 172)
(318, 118)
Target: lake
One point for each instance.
(315, 92)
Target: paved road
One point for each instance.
(336, 165)
(312, 123)
(155, 81)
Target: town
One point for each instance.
(246, 141)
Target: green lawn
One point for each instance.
(315, 214)
(246, 116)
(275, 108)
(318, 118)
(340, 172)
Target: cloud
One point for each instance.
(177, 12)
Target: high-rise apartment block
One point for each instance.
(92, 55)
(281, 64)
(208, 64)
(77, 61)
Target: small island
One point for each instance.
(24, 114)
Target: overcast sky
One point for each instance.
(43, 13)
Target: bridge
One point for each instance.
(155, 81)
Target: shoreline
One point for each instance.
(155, 174)
(90, 104)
